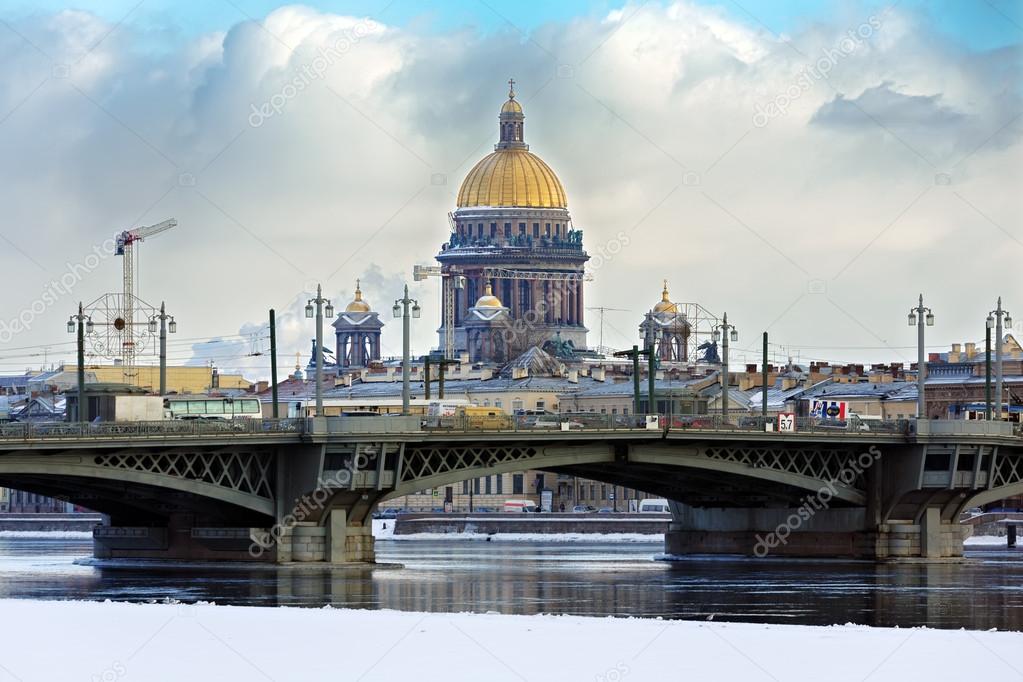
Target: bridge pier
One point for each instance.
(336, 541)
(794, 532)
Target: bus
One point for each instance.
(207, 407)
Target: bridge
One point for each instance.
(303, 490)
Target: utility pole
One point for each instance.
(602, 310)
(402, 309)
(319, 312)
(987, 369)
(634, 354)
(998, 314)
(921, 316)
(763, 396)
(651, 374)
(273, 364)
(724, 332)
(426, 377)
(83, 324)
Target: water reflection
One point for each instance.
(581, 579)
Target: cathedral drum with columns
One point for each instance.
(513, 241)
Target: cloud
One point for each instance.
(646, 115)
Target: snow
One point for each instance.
(114, 641)
(48, 534)
(986, 540)
(383, 529)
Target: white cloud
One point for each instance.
(340, 182)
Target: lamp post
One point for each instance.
(401, 309)
(725, 332)
(997, 314)
(81, 323)
(322, 305)
(920, 316)
(160, 319)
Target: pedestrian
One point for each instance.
(561, 507)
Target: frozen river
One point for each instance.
(580, 578)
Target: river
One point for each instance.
(579, 578)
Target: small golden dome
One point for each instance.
(512, 177)
(358, 305)
(511, 107)
(665, 305)
(488, 300)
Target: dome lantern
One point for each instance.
(665, 305)
(358, 305)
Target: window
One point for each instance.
(507, 229)
(540, 403)
(547, 230)
(479, 229)
(557, 229)
(614, 410)
(603, 410)
(476, 485)
(493, 229)
(486, 402)
(603, 492)
(536, 229)
(517, 484)
(517, 404)
(498, 402)
(488, 485)
(522, 228)
(500, 484)
(625, 410)
(465, 487)
(593, 491)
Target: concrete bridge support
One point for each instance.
(796, 532)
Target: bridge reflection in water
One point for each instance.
(985, 591)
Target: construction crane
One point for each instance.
(450, 281)
(123, 323)
(602, 310)
(540, 275)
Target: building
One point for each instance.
(180, 379)
(357, 330)
(512, 232)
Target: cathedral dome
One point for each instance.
(665, 305)
(512, 176)
(358, 305)
(488, 300)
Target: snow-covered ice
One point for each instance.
(52, 640)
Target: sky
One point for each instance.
(808, 167)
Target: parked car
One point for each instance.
(605, 510)
(653, 506)
(519, 506)
(583, 509)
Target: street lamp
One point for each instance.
(725, 332)
(919, 317)
(406, 308)
(999, 315)
(81, 323)
(320, 302)
(160, 320)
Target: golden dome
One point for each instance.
(511, 106)
(488, 300)
(358, 305)
(512, 177)
(665, 305)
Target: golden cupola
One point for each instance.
(512, 176)
(357, 305)
(488, 300)
(665, 305)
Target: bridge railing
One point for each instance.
(154, 429)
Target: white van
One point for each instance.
(519, 506)
(653, 506)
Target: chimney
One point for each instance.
(348, 380)
(486, 374)
(573, 376)
(599, 374)
(463, 358)
(520, 372)
(971, 350)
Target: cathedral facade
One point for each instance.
(513, 245)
